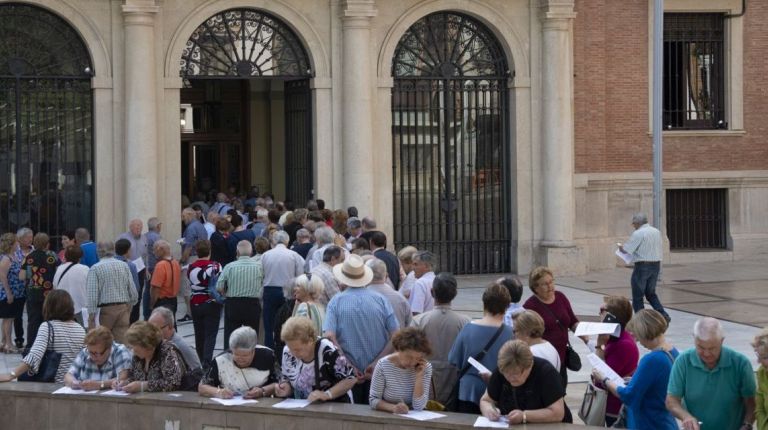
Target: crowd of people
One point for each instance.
(315, 307)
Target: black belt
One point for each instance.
(243, 298)
(104, 305)
(647, 262)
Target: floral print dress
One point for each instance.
(333, 366)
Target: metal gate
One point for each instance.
(298, 142)
(697, 218)
(46, 123)
(451, 144)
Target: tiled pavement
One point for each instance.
(735, 292)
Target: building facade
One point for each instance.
(501, 134)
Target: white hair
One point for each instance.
(243, 338)
(244, 248)
(708, 328)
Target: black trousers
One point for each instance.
(205, 320)
(240, 311)
(361, 393)
(34, 316)
(136, 310)
(18, 323)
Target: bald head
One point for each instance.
(135, 227)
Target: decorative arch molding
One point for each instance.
(86, 28)
(505, 33)
(294, 19)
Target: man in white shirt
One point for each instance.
(645, 246)
(421, 299)
(71, 277)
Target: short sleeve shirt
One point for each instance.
(167, 277)
(83, 368)
(40, 267)
(542, 388)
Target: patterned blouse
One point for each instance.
(17, 286)
(165, 369)
(225, 373)
(333, 368)
(41, 267)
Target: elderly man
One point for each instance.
(259, 225)
(716, 383)
(442, 325)
(281, 265)
(100, 363)
(369, 227)
(360, 322)
(645, 247)
(380, 285)
(241, 281)
(193, 231)
(111, 291)
(354, 230)
(378, 247)
(221, 206)
(421, 299)
(122, 253)
(162, 318)
(210, 223)
(138, 250)
(166, 278)
(151, 236)
(303, 242)
(83, 239)
(332, 256)
(323, 239)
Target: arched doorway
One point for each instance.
(46, 123)
(246, 117)
(450, 144)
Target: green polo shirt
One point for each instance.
(243, 278)
(715, 397)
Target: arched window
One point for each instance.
(451, 143)
(46, 125)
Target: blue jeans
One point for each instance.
(273, 298)
(644, 277)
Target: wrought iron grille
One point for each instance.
(451, 144)
(46, 124)
(239, 43)
(298, 141)
(697, 219)
(694, 71)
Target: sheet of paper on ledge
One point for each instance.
(292, 404)
(422, 415)
(482, 421)
(478, 365)
(626, 258)
(591, 328)
(235, 401)
(607, 372)
(115, 393)
(67, 390)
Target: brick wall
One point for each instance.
(611, 96)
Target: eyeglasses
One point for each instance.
(98, 354)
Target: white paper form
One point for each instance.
(482, 421)
(478, 365)
(626, 258)
(292, 404)
(607, 372)
(590, 328)
(115, 393)
(422, 415)
(67, 390)
(234, 401)
(139, 264)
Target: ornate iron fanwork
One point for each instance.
(244, 43)
(34, 42)
(46, 123)
(447, 44)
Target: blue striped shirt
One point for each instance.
(362, 322)
(645, 244)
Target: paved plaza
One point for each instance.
(736, 293)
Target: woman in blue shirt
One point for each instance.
(646, 392)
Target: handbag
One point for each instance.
(592, 410)
(49, 364)
(452, 404)
(191, 377)
(572, 359)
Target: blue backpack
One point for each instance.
(212, 291)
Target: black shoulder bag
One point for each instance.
(453, 400)
(572, 359)
(49, 364)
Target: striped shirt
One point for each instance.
(242, 277)
(67, 339)
(394, 385)
(109, 281)
(645, 244)
(84, 369)
(281, 265)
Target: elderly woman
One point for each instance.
(60, 332)
(761, 349)
(100, 363)
(401, 380)
(525, 389)
(407, 275)
(248, 369)
(476, 337)
(206, 312)
(529, 327)
(620, 353)
(156, 366)
(556, 311)
(306, 290)
(646, 392)
(313, 368)
(11, 291)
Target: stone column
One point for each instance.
(356, 119)
(557, 137)
(141, 141)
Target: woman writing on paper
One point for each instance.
(646, 392)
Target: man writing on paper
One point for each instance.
(645, 247)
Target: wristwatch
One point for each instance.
(525, 418)
(329, 394)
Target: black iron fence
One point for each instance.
(697, 219)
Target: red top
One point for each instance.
(621, 355)
(561, 310)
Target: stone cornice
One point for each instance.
(556, 10)
(358, 9)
